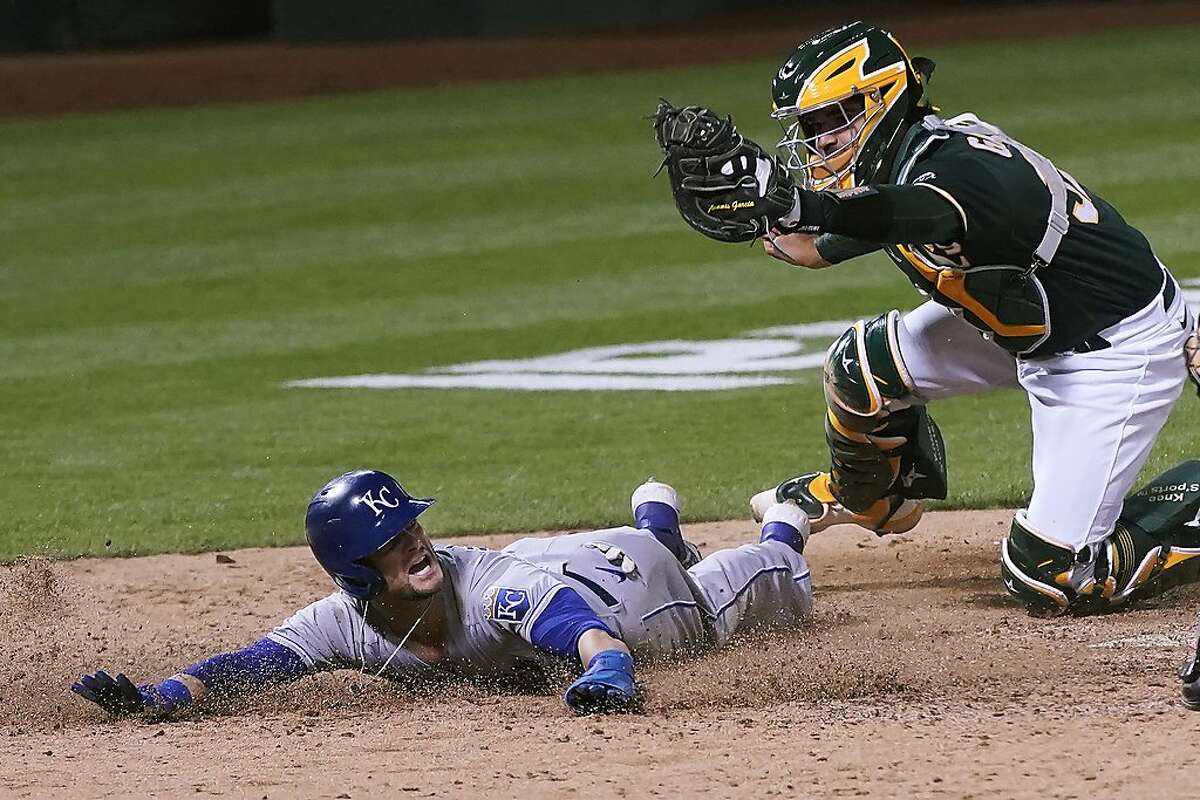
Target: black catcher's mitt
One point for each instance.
(724, 185)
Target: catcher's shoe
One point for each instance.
(1132, 565)
(1189, 673)
(656, 509)
(892, 514)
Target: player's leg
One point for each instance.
(1096, 415)
(946, 356)
(762, 584)
(886, 451)
(656, 510)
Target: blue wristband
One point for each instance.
(175, 692)
(617, 660)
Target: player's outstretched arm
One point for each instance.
(797, 249)
(815, 251)
(608, 684)
(569, 628)
(883, 213)
(262, 664)
(729, 189)
(566, 626)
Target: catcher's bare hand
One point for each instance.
(1191, 350)
(797, 249)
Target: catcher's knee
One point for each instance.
(880, 437)
(1037, 570)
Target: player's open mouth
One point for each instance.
(422, 567)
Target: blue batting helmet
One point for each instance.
(353, 516)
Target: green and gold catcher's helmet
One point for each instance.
(843, 98)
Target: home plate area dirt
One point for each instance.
(918, 677)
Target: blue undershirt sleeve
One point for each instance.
(262, 664)
(564, 619)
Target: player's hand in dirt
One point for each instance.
(797, 249)
(120, 696)
(606, 687)
(115, 695)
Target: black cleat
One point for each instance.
(1189, 673)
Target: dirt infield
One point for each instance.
(918, 678)
(58, 83)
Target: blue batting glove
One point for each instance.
(607, 685)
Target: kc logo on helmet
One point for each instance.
(384, 501)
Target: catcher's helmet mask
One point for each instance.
(862, 72)
(351, 518)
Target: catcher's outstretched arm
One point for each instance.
(815, 251)
(884, 213)
(264, 663)
(729, 189)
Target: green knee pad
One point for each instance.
(1159, 533)
(1168, 507)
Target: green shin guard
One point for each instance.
(1035, 571)
(903, 456)
(881, 440)
(922, 461)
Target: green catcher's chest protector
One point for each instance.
(1006, 302)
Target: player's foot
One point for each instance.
(787, 523)
(655, 505)
(656, 509)
(1189, 673)
(892, 514)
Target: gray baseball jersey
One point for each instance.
(493, 600)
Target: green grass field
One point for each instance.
(165, 272)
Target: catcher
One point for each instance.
(1032, 281)
(406, 610)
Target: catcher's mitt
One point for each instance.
(724, 185)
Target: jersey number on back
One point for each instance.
(990, 145)
(1084, 210)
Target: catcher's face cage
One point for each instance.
(858, 63)
(823, 167)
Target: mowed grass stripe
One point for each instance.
(388, 322)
